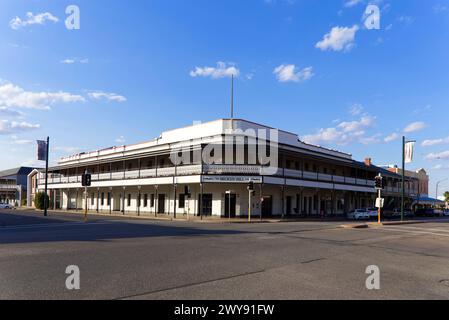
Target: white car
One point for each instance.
(373, 212)
(5, 206)
(359, 214)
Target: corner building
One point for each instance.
(142, 179)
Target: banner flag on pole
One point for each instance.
(409, 149)
(41, 150)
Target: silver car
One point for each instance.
(5, 206)
(359, 214)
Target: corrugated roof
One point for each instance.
(16, 171)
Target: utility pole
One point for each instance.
(85, 202)
(437, 187)
(46, 204)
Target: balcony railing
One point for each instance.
(8, 187)
(212, 170)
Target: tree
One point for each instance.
(39, 200)
(446, 196)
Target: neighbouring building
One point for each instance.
(142, 179)
(13, 185)
(420, 179)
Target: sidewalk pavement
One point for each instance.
(181, 218)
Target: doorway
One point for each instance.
(288, 206)
(230, 199)
(206, 204)
(161, 203)
(267, 206)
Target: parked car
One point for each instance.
(359, 214)
(397, 213)
(446, 213)
(5, 206)
(427, 213)
(372, 212)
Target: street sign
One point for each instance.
(380, 203)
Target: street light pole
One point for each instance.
(403, 179)
(404, 143)
(438, 185)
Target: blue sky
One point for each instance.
(134, 69)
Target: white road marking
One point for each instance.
(416, 232)
(422, 228)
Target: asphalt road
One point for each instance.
(123, 258)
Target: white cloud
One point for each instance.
(438, 156)
(68, 61)
(370, 140)
(440, 167)
(68, 150)
(31, 19)
(120, 140)
(356, 109)
(353, 126)
(434, 142)
(414, 127)
(7, 112)
(14, 96)
(392, 137)
(99, 95)
(16, 140)
(289, 73)
(8, 127)
(338, 39)
(344, 133)
(405, 19)
(440, 8)
(351, 3)
(222, 70)
(75, 60)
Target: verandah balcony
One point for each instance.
(56, 178)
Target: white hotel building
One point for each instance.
(141, 179)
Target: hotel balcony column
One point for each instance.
(318, 207)
(200, 205)
(123, 200)
(98, 200)
(139, 200)
(261, 200)
(76, 200)
(174, 198)
(283, 201)
(156, 199)
(110, 200)
(333, 202)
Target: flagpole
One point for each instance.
(46, 179)
(403, 179)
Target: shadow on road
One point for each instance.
(97, 231)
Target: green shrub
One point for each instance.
(39, 200)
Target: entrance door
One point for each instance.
(267, 206)
(206, 205)
(161, 203)
(289, 205)
(230, 198)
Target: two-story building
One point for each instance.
(219, 159)
(13, 185)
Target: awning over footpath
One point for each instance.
(429, 201)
